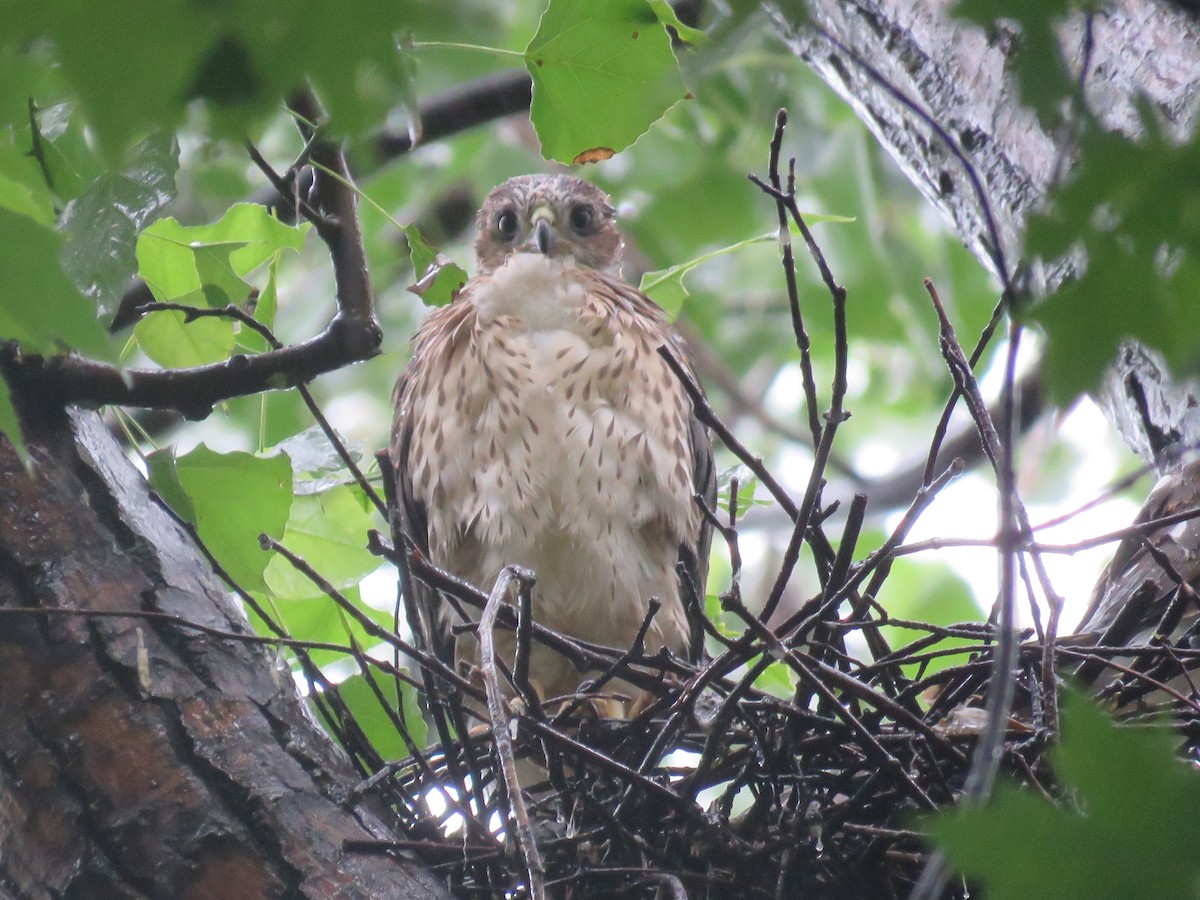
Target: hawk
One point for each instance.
(1146, 596)
(537, 425)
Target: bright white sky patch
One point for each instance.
(967, 508)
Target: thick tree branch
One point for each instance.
(461, 108)
(938, 95)
(353, 334)
(192, 392)
(443, 115)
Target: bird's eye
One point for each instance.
(583, 218)
(506, 224)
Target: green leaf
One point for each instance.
(438, 279)
(121, 99)
(358, 72)
(1136, 210)
(374, 720)
(665, 286)
(164, 479)
(271, 417)
(204, 266)
(168, 264)
(73, 162)
(328, 531)
(23, 186)
(24, 72)
(220, 284)
(668, 17)
(238, 243)
(10, 424)
(316, 464)
(776, 679)
(171, 341)
(102, 224)
(265, 307)
(38, 304)
(321, 620)
(241, 58)
(602, 73)
(268, 299)
(1130, 832)
(726, 623)
(234, 498)
(747, 489)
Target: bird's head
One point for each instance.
(557, 216)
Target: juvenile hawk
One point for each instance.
(537, 425)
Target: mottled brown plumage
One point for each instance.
(1137, 599)
(537, 425)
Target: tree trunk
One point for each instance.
(137, 758)
(958, 74)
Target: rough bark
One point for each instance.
(139, 759)
(958, 74)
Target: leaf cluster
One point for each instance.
(1123, 825)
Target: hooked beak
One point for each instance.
(542, 238)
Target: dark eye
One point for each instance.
(506, 224)
(582, 218)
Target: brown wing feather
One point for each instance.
(693, 558)
(692, 565)
(431, 344)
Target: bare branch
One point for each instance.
(510, 577)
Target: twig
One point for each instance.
(777, 649)
(523, 648)
(368, 624)
(286, 185)
(791, 553)
(192, 313)
(1000, 453)
(670, 882)
(789, 270)
(1091, 655)
(500, 718)
(795, 628)
(836, 414)
(436, 702)
(742, 403)
(1001, 683)
(850, 533)
(707, 415)
(229, 311)
(1140, 529)
(636, 650)
(36, 150)
(180, 622)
